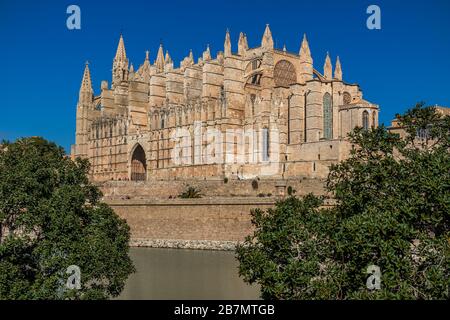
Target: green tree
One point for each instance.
(51, 218)
(393, 207)
(288, 254)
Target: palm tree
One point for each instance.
(190, 193)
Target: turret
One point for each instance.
(187, 61)
(85, 101)
(143, 72)
(227, 44)
(267, 40)
(120, 64)
(207, 54)
(86, 92)
(338, 70)
(306, 61)
(328, 68)
(131, 72)
(242, 44)
(168, 61)
(159, 62)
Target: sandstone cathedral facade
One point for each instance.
(239, 114)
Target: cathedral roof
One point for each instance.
(360, 101)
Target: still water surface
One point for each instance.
(186, 274)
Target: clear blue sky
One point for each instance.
(42, 62)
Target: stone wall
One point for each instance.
(218, 220)
(213, 224)
(162, 189)
(189, 223)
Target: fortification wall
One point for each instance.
(218, 220)
(169, 189)
(189, 223)
(213, 224)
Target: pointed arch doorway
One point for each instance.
(138, 164)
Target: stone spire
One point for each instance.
(242, 44)
(146, 64)
(131, 73)
(169, 62)
(328, 68)
(143, 72)
(227, 44)
(121, 53)
(187, 61)
(338, 70)
(267, 40)
(84, 106)
(86, 91)
(120, 64)
(159, 62)
(306, 61)
(207, 54)
(168, 59)
(86, 83)
(305, 53)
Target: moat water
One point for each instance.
(186, 274)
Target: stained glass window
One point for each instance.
(365, 119)
(265, 144)
(327, 117)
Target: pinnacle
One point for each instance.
(121, 53)
(267, 40)
(86, 83)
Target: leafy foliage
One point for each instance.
(291, 191)
(287, 254)
(190, 193)
(393, 207)
(51, 217)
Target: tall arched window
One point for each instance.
(252, 101)
(265, 144)
(289, 120)
(327, 117)
(223, 101)
(365, 119)
(256, 64)
(254, 78)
